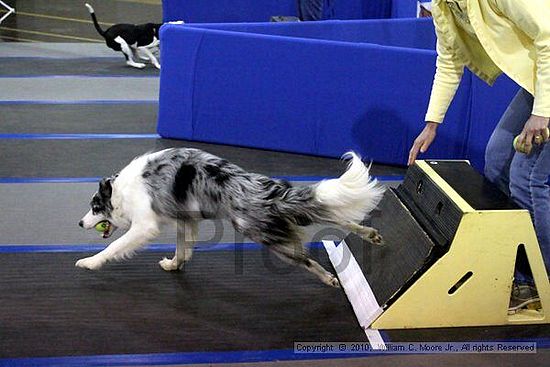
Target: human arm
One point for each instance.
(447, 77)
(531, 17)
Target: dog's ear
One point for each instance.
(105, 187)
(157, 29)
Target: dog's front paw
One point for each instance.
(90, 263)
(138, 65)
(169, 264)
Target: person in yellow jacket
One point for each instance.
(492, 37)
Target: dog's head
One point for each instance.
(156, 28)
(101, 208)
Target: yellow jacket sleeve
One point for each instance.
(447, 77)
(533, 18)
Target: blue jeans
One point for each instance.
(315, 9)
(523, 177)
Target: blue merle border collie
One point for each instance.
(184, 186)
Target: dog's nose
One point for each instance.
(81, 223)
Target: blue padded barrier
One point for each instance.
(409, 33)
(285, 88)
(222, 11)
(362, 9)
(403, 9)
(301, 95)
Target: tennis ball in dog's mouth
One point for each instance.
(102, 226)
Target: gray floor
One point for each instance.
(44, 103)
(79, 118)
(103, 157)
(48, 213)
(71, 89)
(103, 66)
(69, 20)
(219, 302)
(59, 51)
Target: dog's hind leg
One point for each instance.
(296, 255)
(137, 236)
(128, 54)
(367, 233)
(187, 237)
(138, 54)
(149, 56)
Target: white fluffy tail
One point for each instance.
(353, 195)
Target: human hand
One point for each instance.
(535, 131)
(423, 141)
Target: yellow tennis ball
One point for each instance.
(102, 226)
(521, 148)
(542, 138)
(517, 147)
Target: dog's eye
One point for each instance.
(96, 209)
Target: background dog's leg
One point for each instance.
(367, 233)
(137, 236)
(138, 54)
(296, 255)
(127, 51)
(150, 56)
(187, 237)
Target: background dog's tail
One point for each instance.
(351, 196)
(96, 24)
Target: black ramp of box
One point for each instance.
(221, 302)
(418, 221)
(474, 188)
(431, 206)
(391, 267)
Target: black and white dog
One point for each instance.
(134, 41)
(184, 186)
